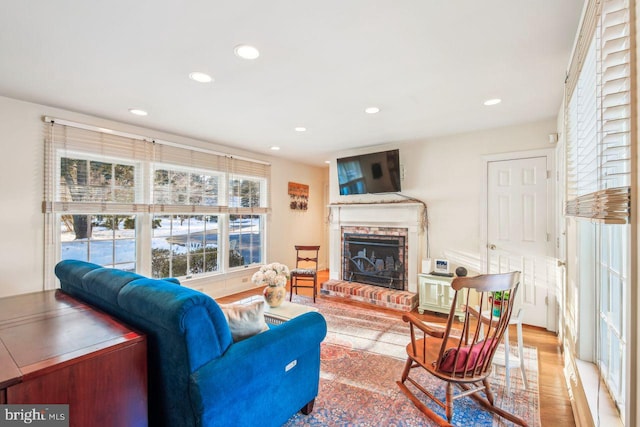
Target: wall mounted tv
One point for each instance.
(370, 173)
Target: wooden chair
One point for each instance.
(306, 269)
(461, 357)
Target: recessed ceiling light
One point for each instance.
(245, 51)
(200, 77)
(328, 162)
(301, 129)
(274, 148)
(138, 112)
(493, 101)
(372, 110)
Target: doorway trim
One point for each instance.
(552, 216)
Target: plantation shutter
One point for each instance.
(598, 117)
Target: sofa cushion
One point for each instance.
(245, 320)
(106, 283)
(71, 271)
(304, 271)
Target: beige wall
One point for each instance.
(21, 190)
(293, 227)
(446, 173)
(21, 193)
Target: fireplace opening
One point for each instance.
(375, 260)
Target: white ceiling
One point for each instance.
(427, 64)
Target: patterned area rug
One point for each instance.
(362, 358)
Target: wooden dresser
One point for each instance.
(55, 349)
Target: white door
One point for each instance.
(517, 231)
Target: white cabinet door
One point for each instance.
(435, 294)
(429, 292)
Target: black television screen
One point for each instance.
(370, 173)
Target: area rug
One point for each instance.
(363, 356)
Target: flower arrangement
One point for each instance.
(274, 274)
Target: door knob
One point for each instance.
(492, 247)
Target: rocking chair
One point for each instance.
(462, 357)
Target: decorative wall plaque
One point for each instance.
(298, 196)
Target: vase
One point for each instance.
(274, 295)
(497, 308)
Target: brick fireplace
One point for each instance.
(375, 252)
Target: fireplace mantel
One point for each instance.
(407, 215)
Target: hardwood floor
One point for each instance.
(555, 407)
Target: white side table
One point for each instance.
(436, 294)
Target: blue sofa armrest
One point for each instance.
(264, 379)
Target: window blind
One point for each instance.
(93, 172)
(247, 195)
(598, 119)
(186, 181)
(585, 37)
(615, 71)
(102, 172)
(244, 167)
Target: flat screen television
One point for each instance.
(370, 173)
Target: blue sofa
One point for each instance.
(197, 375)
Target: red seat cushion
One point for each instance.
(478, 351)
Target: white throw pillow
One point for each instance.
(245, 320)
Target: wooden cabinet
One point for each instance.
(56, 350)
(435, 294)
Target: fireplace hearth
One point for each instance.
(375, 259)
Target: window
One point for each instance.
(184, 245)
(614, 284)
(246, 229)
(598, 128)
(180, 186)
(108, 240)
(83, 181)
(86, 180)
(156, 208)
(245, 240)
(247, 192)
